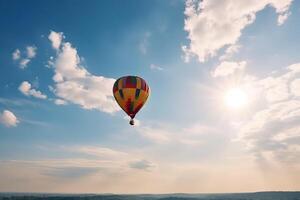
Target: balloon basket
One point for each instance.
(131, 122)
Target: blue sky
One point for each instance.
(224, 104)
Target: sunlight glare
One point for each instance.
(236, 98)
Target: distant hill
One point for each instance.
(227, 196)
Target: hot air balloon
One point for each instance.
(131, 93)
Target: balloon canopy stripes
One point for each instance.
(131, 93)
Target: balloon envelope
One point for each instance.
(131, 93)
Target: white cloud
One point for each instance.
(272, 134)
(156, 135)
(276, 88)
(31, 51)
(8, 118)
(230, 51)
(144, 43)
(79, 171)
(56, 39)
(101, 152)
(295, 87)
(213, 24)
(192, 135)
(50, 63)
(282, 18)
(26, 89)
(155, 67)
(60, 102)
(16, 54)
(274, 129)
(112, 157)
(227, 68)
(17, 102)
(24, 61)
(73, 83)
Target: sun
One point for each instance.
(236, 98)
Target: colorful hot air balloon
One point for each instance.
(131, 93)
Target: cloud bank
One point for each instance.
(272, 134)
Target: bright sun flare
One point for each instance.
(236, 98)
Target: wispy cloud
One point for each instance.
(195, 135)
(144, 43)
(71, 172)
(230, 51)
(101, 152)
(142, 165)
(227, 68)
(17, 102)
(156, 67)
(273, 131)
(105, 160)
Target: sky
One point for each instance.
(223, 113)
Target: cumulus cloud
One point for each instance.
(26, 88)
(24, 61)
(16, 54)
(55, 39)
(211, 25)
(227, 68)
(282, 18)
(74, 84)
(8, 119)
(31, 51)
